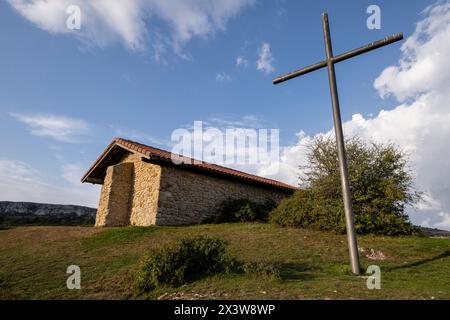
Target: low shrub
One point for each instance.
(307, 209)
(294, 212)
(242, 210)
(192, 259)
(184, 262)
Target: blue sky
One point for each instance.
(65, 95)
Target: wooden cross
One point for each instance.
(329, 63)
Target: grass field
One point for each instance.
(33, 262)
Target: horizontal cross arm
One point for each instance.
(341, 57)
(368, 47)
(300, 72)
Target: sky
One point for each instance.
(140, 69)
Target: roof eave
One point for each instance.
(86, 177)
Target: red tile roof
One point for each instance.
(160, 155)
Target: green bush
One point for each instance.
(381, 185)
(184, 262)
(193, 258)
(305, 210)
(242, 210)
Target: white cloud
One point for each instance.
(18, 171)
(445, 221)
(72, 173)
(241, 143)
(130, 21)
(21, 182)
(223, 77)
(424, 66)
(420, 124)
(60, 128)
(241, 61)
(247, 121)
(265, 59)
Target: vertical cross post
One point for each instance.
(329, 63)
(346, 193)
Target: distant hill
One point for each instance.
(20, 213)
(435, 232)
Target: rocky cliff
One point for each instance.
(19, 213)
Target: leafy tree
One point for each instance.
(381, 184)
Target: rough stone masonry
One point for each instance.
(142, 187)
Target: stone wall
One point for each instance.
(113, 208)
(145, 186)
(188, 198)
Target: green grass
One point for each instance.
(314, 265)
(116, 236)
